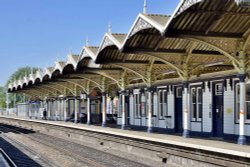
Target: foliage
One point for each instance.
(20, 73)
(2, 97)
(13, 97)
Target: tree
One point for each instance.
(2, 97)
(20, 73)
(13, 97)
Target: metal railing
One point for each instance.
(8, 159)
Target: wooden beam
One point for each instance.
(141, 50)
(219, 49)
(213, 35)
(218, 18)
(231, 13)
(132, 62)
(98, 69)
(171, 51)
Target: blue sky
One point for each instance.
(38, 32)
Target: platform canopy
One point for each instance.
(201, 39)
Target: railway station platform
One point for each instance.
(216, 146)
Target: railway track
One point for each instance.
(22, 155)
(69, 152)
(84, 155)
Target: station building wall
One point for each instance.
(205, 125)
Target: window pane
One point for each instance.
(120, 106)
(160, 95)
(248, 110)
(218, 89)
(247, 92)
(194, 111)
(200, 110)
(165, 96)
(237, 101)
(161, 113)
(238, 93)
(199, 95)
(139, 111)
(179, 92)
(238, 109)
(165, 109)
(194, 95)
(143, 106)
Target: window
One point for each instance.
(218, 89)
(137, 102)
(120, 106)
(196, 106)
(162, 95)
(178, 92)
(143, 105)
(247, 102)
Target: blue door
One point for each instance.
(178, 109)
(218, 109)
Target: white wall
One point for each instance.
(23, 109)
(229, 126)
(119, 121)
(144, 121)
(155, 120)
(247, 129)
(131, 110)
(196, 126)
(171, 101)
(137, 122)
(207, 110)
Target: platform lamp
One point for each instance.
(243, 3)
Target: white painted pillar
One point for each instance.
(123, 110)
(30, 110)
(47, 101)
(112, 105)
(104, 106)
(62, 109)
(186, 111)
(88, 110)
(50, 108)
(149, 110)
(58, 109)
(39, 110)
(65, 109)
(76, 109)
(242, 112)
